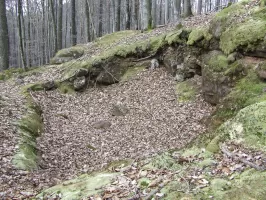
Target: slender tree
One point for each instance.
(4, 41)
(73, 22)
(128, 14)
(154, 13)
(166, 12)
(100, 30)
(21, 47)
(60, 24)
(88, 21)
(54, 25)
(199, 8)
(118, 15)
(187, 8)
(177, 9)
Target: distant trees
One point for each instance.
(37, 29)
(4, 41)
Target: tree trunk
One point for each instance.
(136, 14)
(154, 13)
(22, 54)
(88, 21)
(100, 30)
(199, 9)
(187, 8)
(73, 23)
(4, 41)
(177, 9)
(166, 10)
(60, 24)
(54, 25)
(128, 15)
(29, 35)
(118, 13)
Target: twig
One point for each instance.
(234, 156)
(152, 193)
(111, 74)
(145, 58)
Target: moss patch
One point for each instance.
(216, 61)
(65, 55)
(199, 34)
(66, 88)
(115, 37)
(9, 73)
(185, 91)
(131, 72)
(245, 36)
(79, 188)
(29, 128)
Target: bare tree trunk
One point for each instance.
(199, 8)
(4, 41)
(100, 28)
(154, 13)
(118, 17)
(166, 14)
(22, 54)
(54, 25)
(88, 21)
(128, 15)
(60, 24)
(136, 14)
(187, 8)
(73, 20)
(177, 9)
(29, 35)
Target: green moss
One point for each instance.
(79, 188)
(165, 161)
(177, 36)
(217, 61)
(9, 73)
(131, 72)
(226, 18)
(185, 91)
(115, 37)
(199, 34)
(91, 147)
(72, 66)
(118, 163)
(32, 87)
(244, 36)
(66, 88)
(213, 146)
(29, 128)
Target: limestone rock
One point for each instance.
(80, 83)
(154, 64)
(65, 55)
(102, 124)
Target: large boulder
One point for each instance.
(68, 54)
(218, 77)
(80, 83)
(247, 127)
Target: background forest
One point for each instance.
(32, 31)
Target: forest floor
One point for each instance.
(71, 144)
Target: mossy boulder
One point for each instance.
(80, 188)
(218, 77)
(68, 54)
(225, 18)
(244, 37)
(29, 128)
(200, 37)
(132, 72)
(248, 126)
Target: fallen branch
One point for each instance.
(152, 193)
(145, 58)
(234, 156)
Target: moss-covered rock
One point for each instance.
(79, 188)
(199, 37)
(65, 55)
(218, 76)
(132, 72)
(244, 36)
(225, 18)
(66, 87)
(29, 128)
